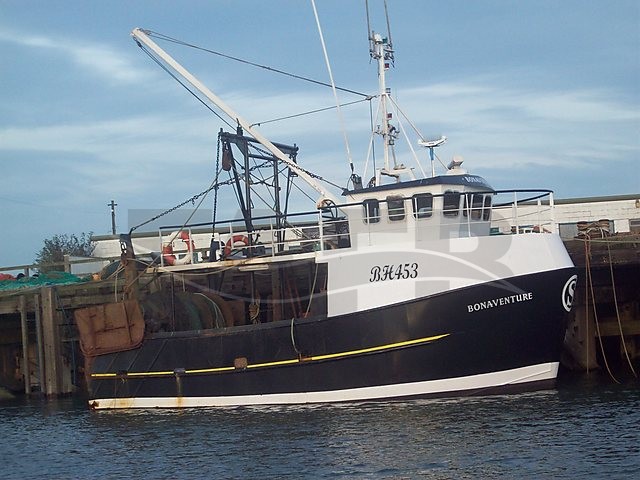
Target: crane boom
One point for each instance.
(141, 36)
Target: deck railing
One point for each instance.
(512, 212)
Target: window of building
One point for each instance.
(422, 205)
(473, 205)
(371, 210)
(451, 204)
(395, 206)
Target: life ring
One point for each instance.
(167, 255)
(232, 241)
(167, 250)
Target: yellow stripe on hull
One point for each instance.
(293, 361)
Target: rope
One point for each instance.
(333, 86)
(595, 313)
(184, 85)
(293, 339)
(313, 288)
(615, 301)
(586, 304)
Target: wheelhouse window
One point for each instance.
(395, 207)
(451, 204)
(422, 205)
(371, 210)
(486, 213)
(473, 205)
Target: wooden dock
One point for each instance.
(38, 340)
(604, 326)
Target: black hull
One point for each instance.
(459, 342)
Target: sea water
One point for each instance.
(587, 427)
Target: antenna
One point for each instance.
(431, 144)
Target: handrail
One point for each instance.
(225, 228)
(542, 193)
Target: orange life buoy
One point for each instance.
(167, 250)
(167, 255)
(232, 241)
(184, 236)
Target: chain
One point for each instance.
(191, 200)
(215, 194)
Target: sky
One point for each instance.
(532, 94)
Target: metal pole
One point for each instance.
(113, 206)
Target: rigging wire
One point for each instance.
(240, 60)
(310, 112)
(184, 85)
(311, 174)
(333, 86)
(160, 36)
(415, 129)
(369, 36)
(390, 43)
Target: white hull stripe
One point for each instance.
(523, 375)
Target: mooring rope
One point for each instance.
(595, 313)
(615, 301)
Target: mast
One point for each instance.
(382, 51)
(140, 35)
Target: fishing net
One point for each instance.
(40, 280)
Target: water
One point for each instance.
(588, 427)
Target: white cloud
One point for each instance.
(99, 59)
(492, 123)
(489, 125)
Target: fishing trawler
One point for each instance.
(404, 286)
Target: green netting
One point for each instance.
(41, 280)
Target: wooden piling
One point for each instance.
(39, 342)
(606, 304)
(51, 343)
(25, 345)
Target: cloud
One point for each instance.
(494, 122)
(99, 59)
(490, 125)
